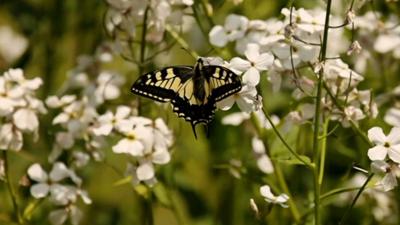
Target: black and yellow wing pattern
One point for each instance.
(192, 91)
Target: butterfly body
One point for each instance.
(192, 91)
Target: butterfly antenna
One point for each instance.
(194, 130)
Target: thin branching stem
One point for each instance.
(285, 189)
(317, 118)
(297, 156)
(347, 213)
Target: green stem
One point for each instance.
(207, 12)
(316, 145)
(11, 189)
(181, 41)
(285, 189)
(297, 156)
(147, 210)
(323, 152)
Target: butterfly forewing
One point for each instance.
(222, 81)
(162, 85)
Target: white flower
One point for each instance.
(65, 139)
(49, 182)
(234, 28)
(108, 87)
(10, 137)
(263, 161)
(163, 138)
(55, 102)
(134, 141)
(60, 216)
(385, 145)
(392, 117)
(132, 170)
(254, 64)
(247, 100)
(109, 121)
(390, 171)
(271, 198)
(236, 118)
(388, 42)
(263, 121)
(26, 120)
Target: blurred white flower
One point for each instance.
(236, 118)
(10, 137)
(108, 121)
(263, 161)
(12, 44)
(271, 198)
(390, 172)
(234, 28)
(256, 62)
(388, 42)
(392, 117)
(384, 145)
(108, 86)
(48, 183)
(60, 216)
(55, 102)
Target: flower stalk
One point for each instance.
(316, 126)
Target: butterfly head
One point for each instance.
(199, 64)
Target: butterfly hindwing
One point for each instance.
(162, 85)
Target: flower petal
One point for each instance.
(394, 136)
(394, 153)
(377, 153)
(36, 173)
(264, 164)
(59, 172)
(218, 36)
(40, 190)
(145, 171)
(377, 136)
(58, 217)
(252, 52)
(265, 191)
(251, 77)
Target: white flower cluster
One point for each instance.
(385, 156)
(281, 48)
(19, 108)
(62, 187)
(123, 17)
(78, 112)
(145, 140)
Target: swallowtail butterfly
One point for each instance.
(193, 91)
